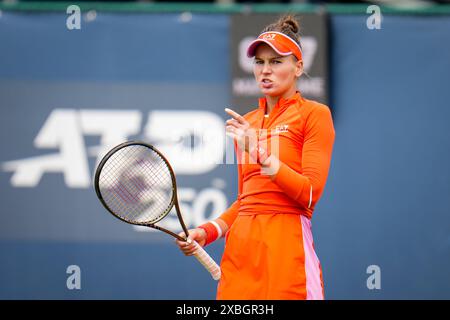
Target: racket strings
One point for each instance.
(132, 188)
(136, 184)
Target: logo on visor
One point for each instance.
(269, 36)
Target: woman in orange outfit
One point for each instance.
(284, 151)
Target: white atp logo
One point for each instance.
(74, 20)
(74, 280)
(64, 130)
(374, 281)
(374, 21)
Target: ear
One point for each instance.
(298, 68)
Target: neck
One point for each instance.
(272, 101)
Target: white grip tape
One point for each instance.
(206, 260)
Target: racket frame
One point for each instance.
(173, 202)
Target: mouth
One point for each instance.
(266, 83)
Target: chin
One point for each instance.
(269, 92)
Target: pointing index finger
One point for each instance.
(236, 116)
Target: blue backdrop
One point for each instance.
(386, 202)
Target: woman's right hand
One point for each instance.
(245, 136)
(239, 129)
(197, 234)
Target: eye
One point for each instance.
(276, 61)
(258, 62)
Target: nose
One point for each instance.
(266, 68)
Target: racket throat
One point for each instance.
(167, 231)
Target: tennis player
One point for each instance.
(269, 250)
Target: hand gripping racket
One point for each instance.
(136, 183)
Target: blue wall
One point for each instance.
(386, 201)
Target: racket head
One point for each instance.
(135, 183)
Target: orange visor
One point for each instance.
(281, 43)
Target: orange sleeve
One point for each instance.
(307, 186)
(231, 213)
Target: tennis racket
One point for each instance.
(136, 183)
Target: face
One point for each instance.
(276, 75)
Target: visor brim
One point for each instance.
(251, 51)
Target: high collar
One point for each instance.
(282, 102)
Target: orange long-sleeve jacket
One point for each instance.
(269, 249)
(305, 134)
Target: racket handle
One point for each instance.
(206, 260)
